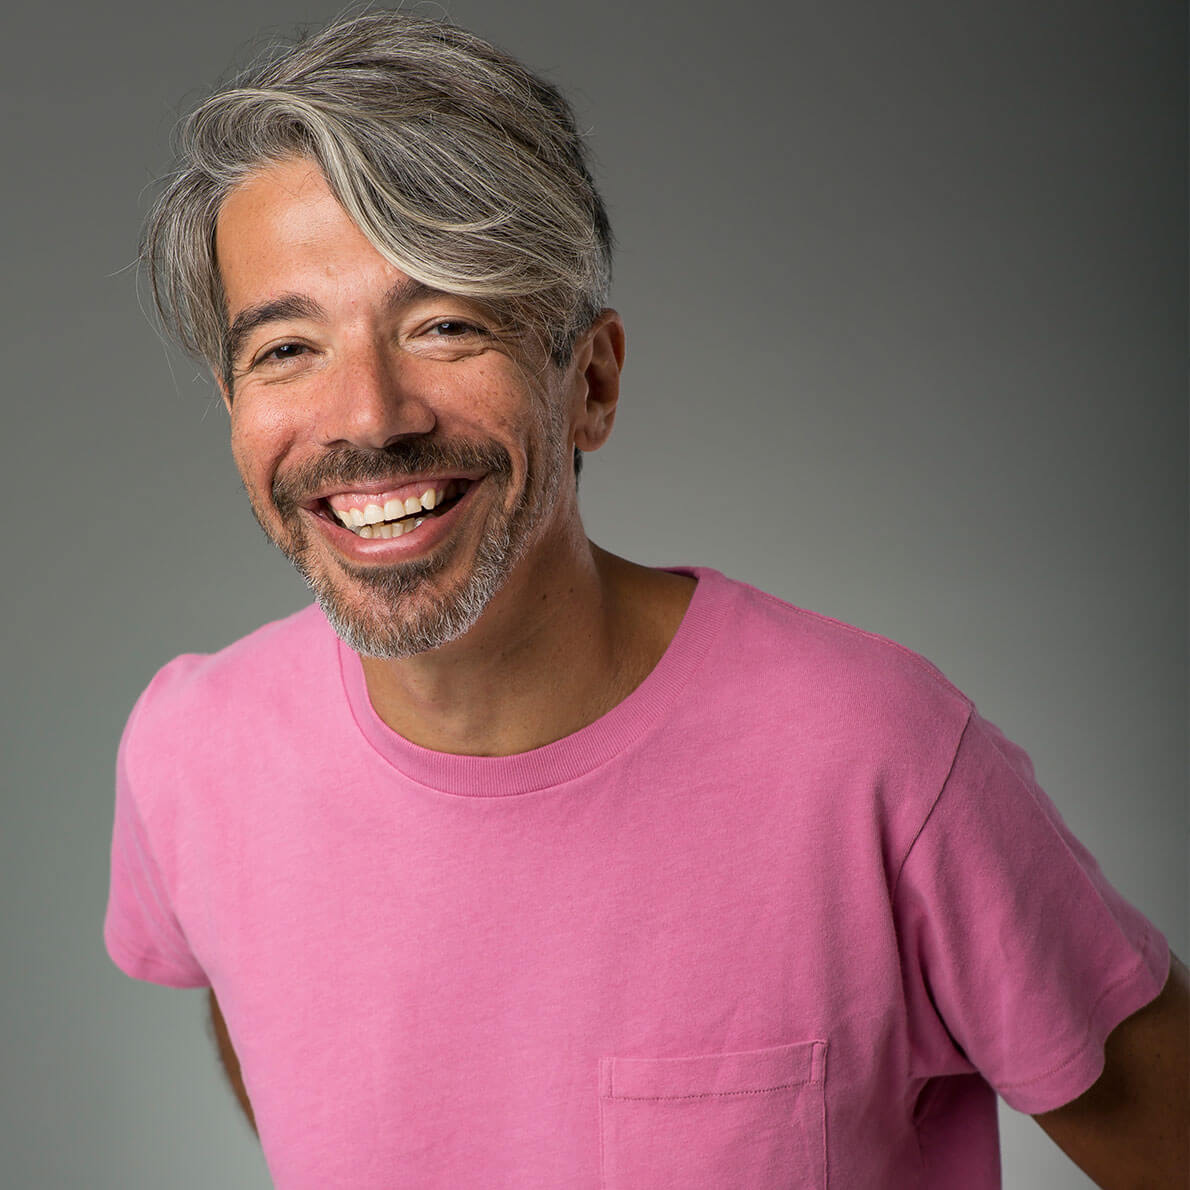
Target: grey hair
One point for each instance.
(463, 169)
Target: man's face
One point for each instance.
(358, 396)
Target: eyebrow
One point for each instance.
(296, 305)
(291, 305)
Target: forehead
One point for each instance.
(295, 181)
(282, 229)
(281, 234)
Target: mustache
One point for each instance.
(349, 465)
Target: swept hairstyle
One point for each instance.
(462, 168)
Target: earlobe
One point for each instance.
(601, 363)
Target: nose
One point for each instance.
(374, 399)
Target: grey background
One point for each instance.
(905, 289)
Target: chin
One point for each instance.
(394, 612)
(395, 628)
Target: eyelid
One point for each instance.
(262, 356)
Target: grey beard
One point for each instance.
(383, 632)
(382, 629)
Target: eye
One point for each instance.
(278, 358)
(284, 351)
(455, 328)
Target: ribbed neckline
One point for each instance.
(574, 755)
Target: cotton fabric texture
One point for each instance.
(790, 915)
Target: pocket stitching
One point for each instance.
(815, 1080)
(808, 1076)
(805, 1082)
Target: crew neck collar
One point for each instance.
(573, 755)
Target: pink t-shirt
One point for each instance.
(783, 917)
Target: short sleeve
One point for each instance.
(1018, 957)
(140, 931)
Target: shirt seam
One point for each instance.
(896, 883)
(1089, 1040)
(922, 663)
(630, 743)
(137, 956)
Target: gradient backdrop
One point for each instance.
(905, 287)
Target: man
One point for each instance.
(512, 863)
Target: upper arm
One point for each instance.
(227, 1055)
(1130, 1129)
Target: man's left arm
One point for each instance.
(1131, 1129)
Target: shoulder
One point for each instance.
(825, 667)
(858, 726)
(199, 699)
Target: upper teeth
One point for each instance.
(373, 514)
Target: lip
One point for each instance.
(401, 486)
(381, 550)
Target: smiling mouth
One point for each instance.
(397, 516)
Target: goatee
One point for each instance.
(394, 611)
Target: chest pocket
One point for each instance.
(718, 1122)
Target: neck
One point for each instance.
(556, 648)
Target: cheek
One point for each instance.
(260, 436)
(490, 408)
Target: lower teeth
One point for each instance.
(405, 525)
(389, 528)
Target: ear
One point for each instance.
(598, 361)
(224, 391)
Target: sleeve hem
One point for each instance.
(149, 968)
(1069, 1079)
